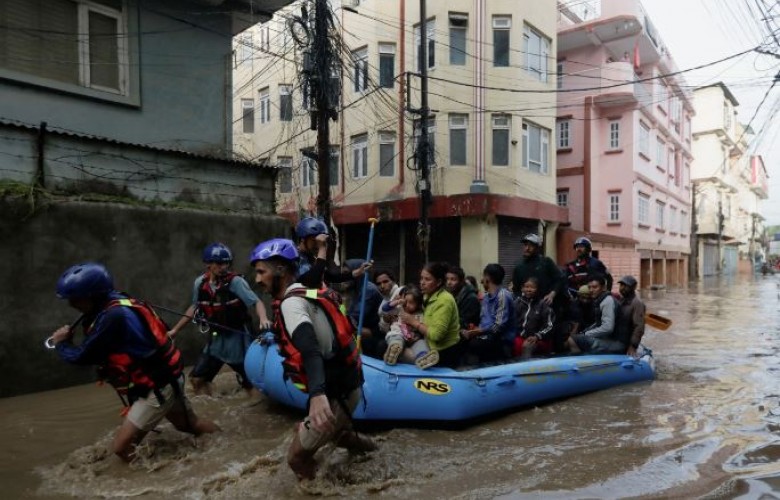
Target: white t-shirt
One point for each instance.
(297, 310)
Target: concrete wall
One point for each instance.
(73, 164)
(153, 254)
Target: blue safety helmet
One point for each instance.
(277, 247)
(217, 252)
(583, 241)
(86, 280)
(310, 226)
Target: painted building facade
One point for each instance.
(623, 140)
(492, 92)
(730, 182)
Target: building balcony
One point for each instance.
(614, 93)
(759, 182)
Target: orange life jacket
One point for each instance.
(220, 305)
(343, 371)
(133, 377)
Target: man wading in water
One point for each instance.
(129, 343)
(317, 342)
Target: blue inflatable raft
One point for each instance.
(404, 392)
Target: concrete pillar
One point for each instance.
(478, 243)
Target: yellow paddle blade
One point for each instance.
(657, 321)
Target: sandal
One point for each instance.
(427, 360)
(392, 352)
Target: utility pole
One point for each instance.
(323, 58)
(423, 153)
(693, 265)
(720, 233)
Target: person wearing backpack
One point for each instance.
(578, 271)
(602, 337)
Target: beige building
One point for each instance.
(730, 183)
(492, 96)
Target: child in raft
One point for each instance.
(404, 343)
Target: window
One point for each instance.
(683, 222)
(643, 209)
(660, 210)
(644, 139)
(614, 207)
(726, 116)
(360, 70)
(536, 148)
(265, 38)
(89, 38)
(677, 171)
(501, 126)
(285, 174)
(458, 129)
(563, 134)
(673, 223)
(265, 106)
(243, 48)
(248, 115)
(360, 156)
(333, 166)
(386, 154)
(308, 171)
(501, 26)
(614, 134)
(285, 103)
(430, 34)
(660, 153)
(559, 74)
(563, 198)
(537, 52)
(458, 28)
(386, 65)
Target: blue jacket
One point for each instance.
(498, 317)
(117, 329)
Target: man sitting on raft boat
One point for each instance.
(602, 337)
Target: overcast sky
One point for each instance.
(701, 31)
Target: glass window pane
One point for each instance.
(501, 48)
(458, 146)
(386, 70)
(386, 160)
(457, 46)
(103, 51)
(501, 147)
(333, 167)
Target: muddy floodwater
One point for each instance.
(707, 427)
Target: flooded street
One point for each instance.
(707, 427)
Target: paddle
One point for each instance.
(657, 321)
(373, 222)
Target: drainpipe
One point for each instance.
(402, 93)
(41, 144)
(586, 162)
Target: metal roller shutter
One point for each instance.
(510, 248)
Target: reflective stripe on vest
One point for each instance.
(346, 345)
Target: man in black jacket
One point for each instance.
(535, 265)
(465, 297)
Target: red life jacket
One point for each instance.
(220, 305)
(137, 377)
(345, 366)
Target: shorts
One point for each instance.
(207, 367)
(147, 412)
(312, 439)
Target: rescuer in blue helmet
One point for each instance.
(129, 344)
(222, 300)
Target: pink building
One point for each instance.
(623, 138)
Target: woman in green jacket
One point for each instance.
(440, 325)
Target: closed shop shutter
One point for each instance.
(709, 259)
(387, 244)
(730, 260)
(511, 231)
